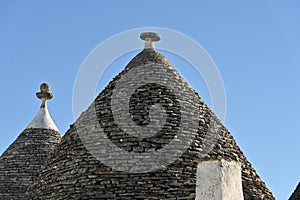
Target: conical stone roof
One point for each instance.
(86, 164)
(22, 160)
(296, 193)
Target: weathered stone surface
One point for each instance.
(219, 179)
(73, 173)
(22, 161)
(296, 193)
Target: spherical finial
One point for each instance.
(44, 94)
(150, 38)
(45, 87)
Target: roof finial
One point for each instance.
(150, 38)
(44, 94)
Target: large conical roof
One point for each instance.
(296, 193)
(22, 161)
(86, 165)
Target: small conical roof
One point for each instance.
(22, 160)
(100, 158)
(296, 193)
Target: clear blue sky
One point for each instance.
(255, 44)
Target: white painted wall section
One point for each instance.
(219, 180)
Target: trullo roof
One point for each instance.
(22, 160)
(85, 165)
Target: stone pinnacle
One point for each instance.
(150, 38)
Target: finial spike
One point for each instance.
(150, 38)
(44, 94)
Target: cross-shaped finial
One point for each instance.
(150, 38)
(44, 94)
